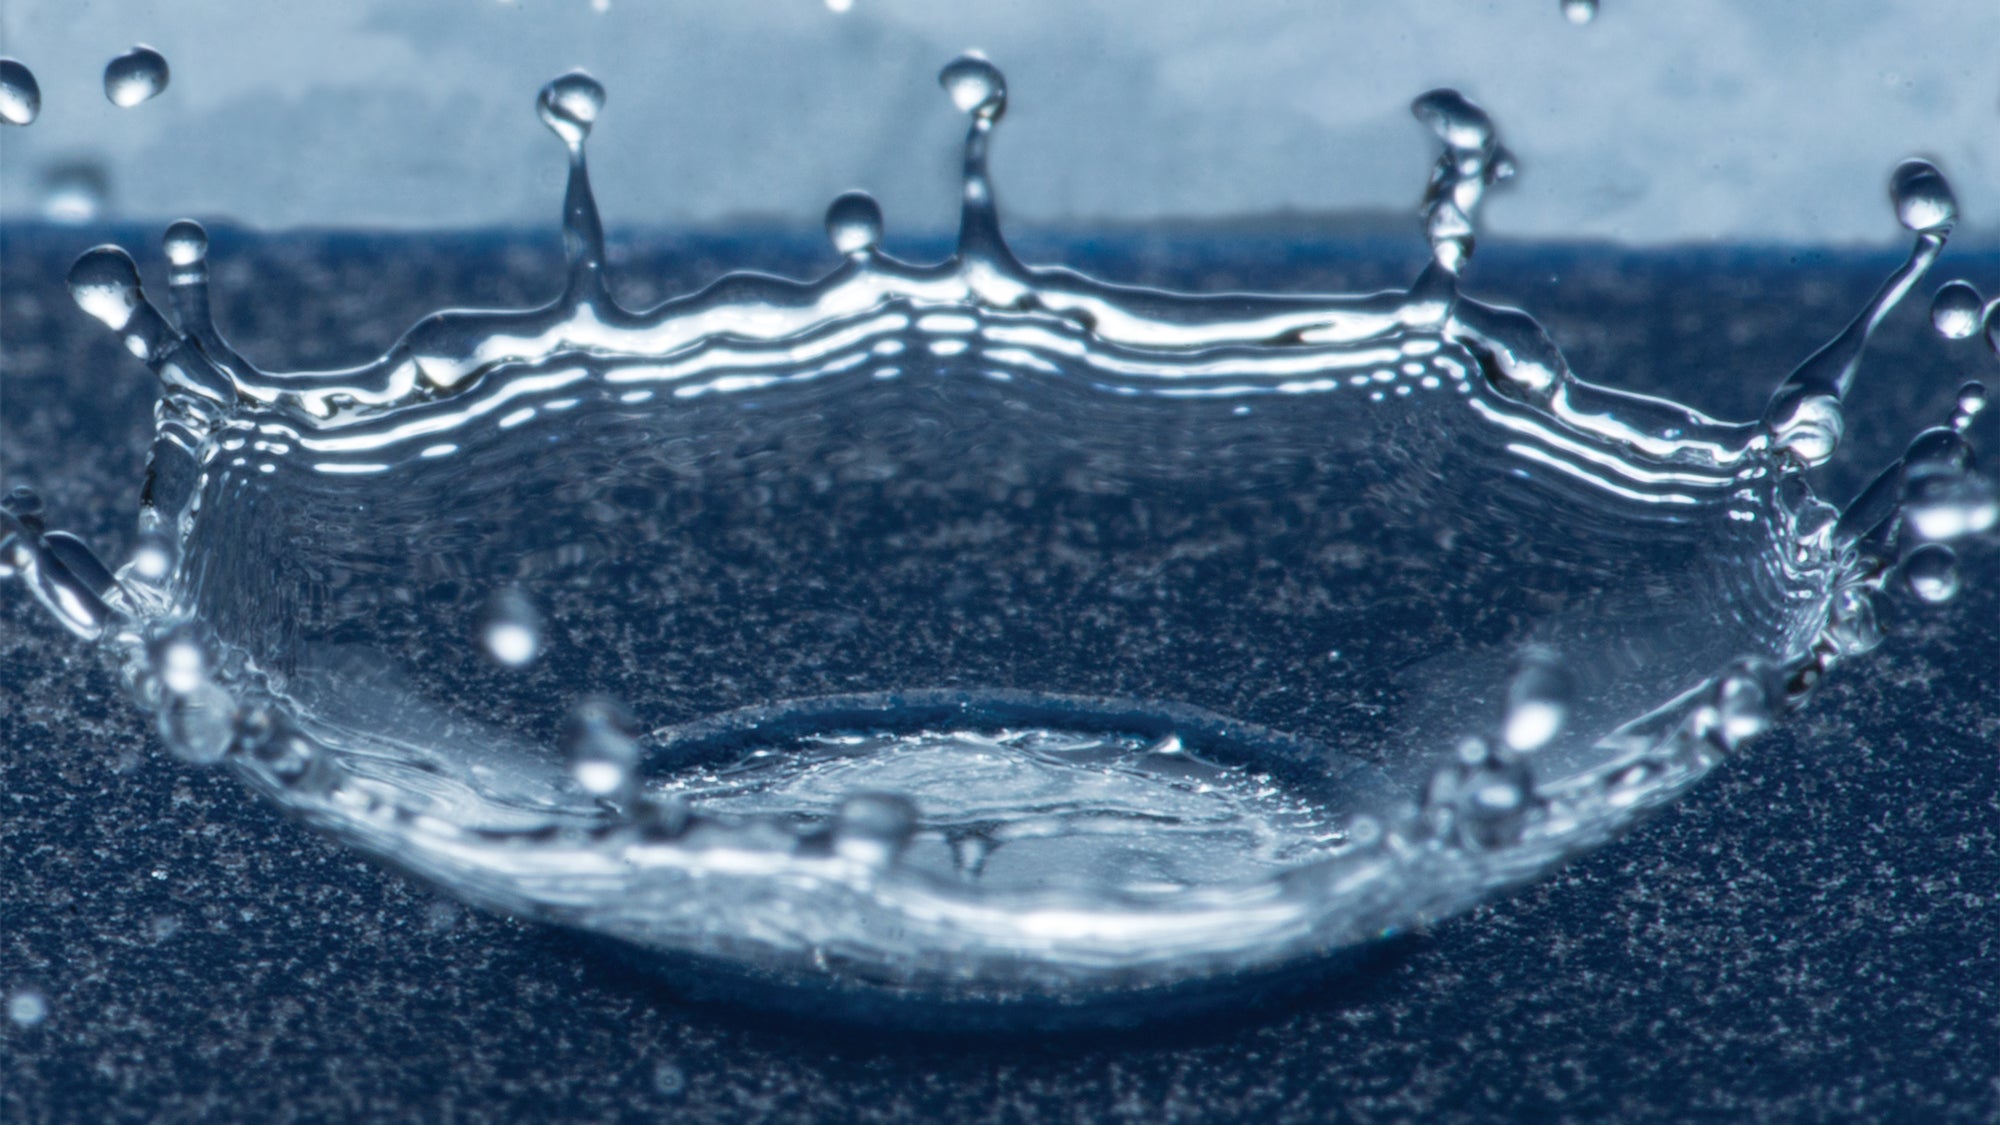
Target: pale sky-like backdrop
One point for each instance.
(1661, 121)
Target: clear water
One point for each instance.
(983, 634)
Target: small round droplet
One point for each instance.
(200, 725)
(874, 828)
(1931, 573)
(75, 193)
(854, 223)
(512, 628)
(138, 75)
(1743, 709)
(185, 243)
(976, 86)
(1955, 310)
(569, 106)
(1579, 12)
(1538, 700)
(1971, 400)
(1922, 196)
(20, 94)
(104, 282)
(1456, 121)
(603, 755)
(27, 1008)
(178, 660)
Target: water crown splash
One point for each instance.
(958, 633)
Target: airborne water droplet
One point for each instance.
(603, 756)
(1537, 703)
(512, 629)
(20, 94)
(569, 106)
(874, 828)
(136, 76)
(1922, 196)
(1955, 310)
(976, 86)
(1931, 573)
(854, 223)
(1579, 12)
(1971, 400)
(74, 193)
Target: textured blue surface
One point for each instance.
(1810, 935)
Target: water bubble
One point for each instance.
(874, 828)
(1931, 573)
(669, 1081)
(1955, 310)
(569, 106)
(1484, 797)
(1538, 700)
(138, 75)
(511, 630)
(854, 223)
(185, 243)
(1579, 12)
(603, 755)
(27, 1007)
(1922, 196)
(104, 282)
(976, 86)
(20, 94)
(153, 558)
(74, 193)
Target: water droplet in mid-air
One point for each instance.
(976, 86)
(137, 76)
(1971, 400)
(20, 94)
(1537, 703)
(511, 630)
(1579, 12)
(1922, 196)
(1931, 573)
(854, 223)
(569, 106)
(74, 193)
(105, 283)
(603, 755)
(874, 828)
(1955, 310)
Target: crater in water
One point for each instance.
(976, 635)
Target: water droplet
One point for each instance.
(74, 193)
(1484, 797)
(1931, 573)
(1537, 703)
(874, 828)
(20, 94)
(976, 86)
(1743, 709)
(569, 106)
(153, 558)
(1579, 12)
(1971, 400)
(1456, 121)
(1955, 310)
(177, 658)
(104, 282)
(27, 1008)
(669, 1081)
(1945, 505)
(185, 243)
(138, 75)
(603, 755)
(854, 223)
(511, 630)
(1922, 196)
(199, 725)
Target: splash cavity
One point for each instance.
(977, 636)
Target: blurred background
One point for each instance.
(1725, 120)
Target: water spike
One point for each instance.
(569, 106)
(1473, 160)
(186, 246)
(1804, 414)
(26, 553)
(978, 89)
(854, 224)
(104, 282)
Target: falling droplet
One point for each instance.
(153, 558)
(20, 94)
(1922, 196)
(74, 193)
(138, 75)
(178, 660)
(1931, 573)
(603, 755)
(1537, 703)
(1955, 310)
(569, 106)
(976, 86)
(1579, 12)
(512, 629)
(854, 224)
(874, 828)
(1971, 400)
